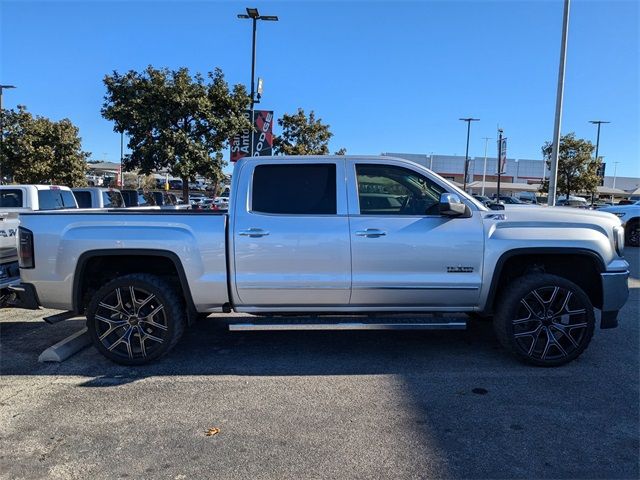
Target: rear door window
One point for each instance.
(83, 199)
(11, 198)
(295, 189)
(56, 199)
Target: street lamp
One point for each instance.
(484, 170)
(466, 155)
(2, 87)
(253, 15)
(597, 122)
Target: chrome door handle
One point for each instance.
(370, 233)
(253, 233)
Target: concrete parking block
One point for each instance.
(66, 347)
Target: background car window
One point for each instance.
(11, 198)
(112, 199)
(308, 189)
(83, 199)
(389, 190)
(56, 199)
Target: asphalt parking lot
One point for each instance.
(320, 405)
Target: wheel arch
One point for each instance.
(120, 264)
(585, 273)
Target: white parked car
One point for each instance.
(629, 215)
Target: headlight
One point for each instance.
(618, 239)
(619, 214)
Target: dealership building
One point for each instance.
(521, 175)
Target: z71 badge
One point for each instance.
(459, 269)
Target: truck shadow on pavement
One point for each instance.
(209, 348)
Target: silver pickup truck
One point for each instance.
(336, 239)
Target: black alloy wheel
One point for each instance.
(135, 319)
(545, 320)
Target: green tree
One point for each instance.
(577, 170)
(175, 121)
(302, 135)
(36, 149)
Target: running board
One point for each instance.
(246, 327)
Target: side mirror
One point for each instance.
(451, 206)
(496, 206)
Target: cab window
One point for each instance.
(391, 190)
(295, 189)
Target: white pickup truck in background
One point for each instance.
(16, 199)
(96, 197)
(328, 235)
(629, 215)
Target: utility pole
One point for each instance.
(484, 170)
(2, 87)
(254, 16)
(466, 155)
(121, 159)
(597, 122)
(499, 164)
(555, 149)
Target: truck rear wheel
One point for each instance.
(135, 319)
(544, 320)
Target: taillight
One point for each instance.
(25, 248)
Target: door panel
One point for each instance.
(290, 249)
(408, 265)
(403, 252)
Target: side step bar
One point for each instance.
(246, 327)
(59, 317)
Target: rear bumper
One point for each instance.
(615, 292)
(9, 274)
(26, 296)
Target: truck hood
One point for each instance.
(551, 216)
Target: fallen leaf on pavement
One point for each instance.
(212, 431)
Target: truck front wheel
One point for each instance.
(544, 320)
(633, 233)
(135, 319)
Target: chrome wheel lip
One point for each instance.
(548, 327)
(131, 323)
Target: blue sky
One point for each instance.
(387, 76)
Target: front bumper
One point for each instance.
(615, 292)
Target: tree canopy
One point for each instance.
(36, 149)
(577, 169)
(302, 135)
(175, 121)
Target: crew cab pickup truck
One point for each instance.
(335, 237)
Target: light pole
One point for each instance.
(2, 87)
(466, 155)
(484, 170)
(254, 16)
(597, 122)
(555, 149)
(121, 158)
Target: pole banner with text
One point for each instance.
(263, 135)
(241, 143)
(502, 154)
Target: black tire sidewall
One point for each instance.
(164, 294)
(509, 304)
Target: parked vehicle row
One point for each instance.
(327, 235)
